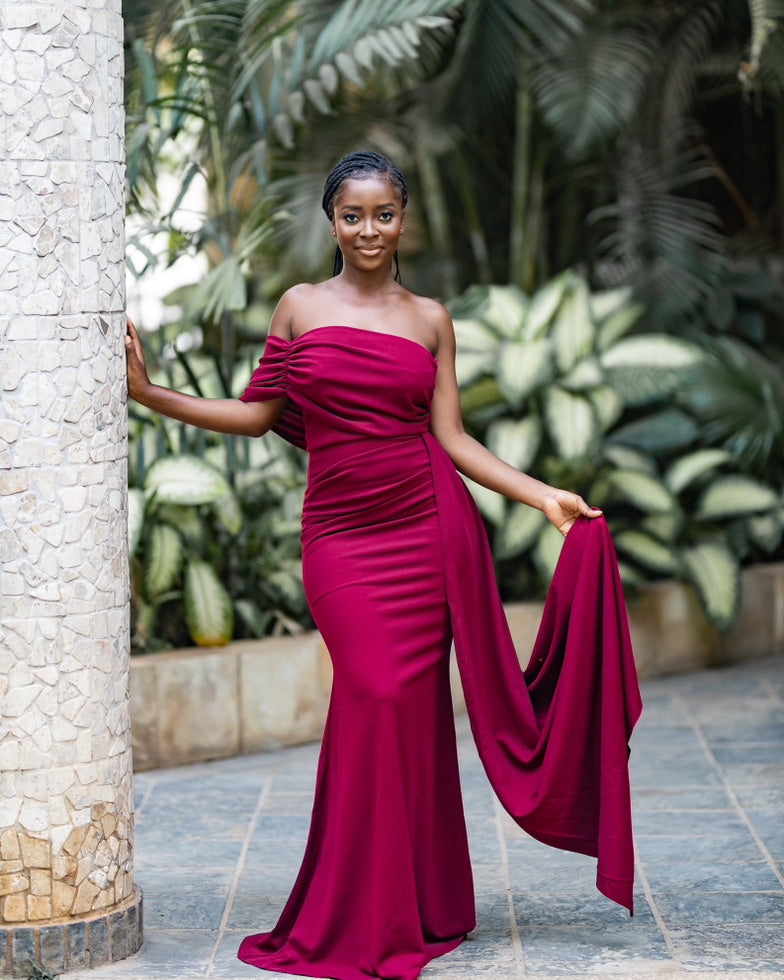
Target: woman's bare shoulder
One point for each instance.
(434, 319)
(295, 305)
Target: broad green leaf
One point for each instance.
(629, 574)
(184, 480)
(547, 551)
(162, 561)
(643, 491)
(256, 619)
(543, 306)
(228, 511)
(185, 520)
(573, 329)
(586, 374)
(491, 504)
(287, 584)
(607, 404)
(626, 458)
(518, 532)
(606, 302)
(670, 429)
(135, 519)
(208, 609)
(765, 531)
(505, 310)
(647, 551)
(522, 368)
(687, 469)
(516, 442)
(572, 424)
(715, 573)
(146, 614)
(664, 527)
(482, 395)
(617, 325)
(649, 366)
(733, 496)
(471, 364)
(474, 335)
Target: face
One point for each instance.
(368, 222)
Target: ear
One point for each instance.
(403, 223)
(334, 228)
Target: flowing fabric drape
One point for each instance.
(396, 563)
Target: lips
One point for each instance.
(371, 249)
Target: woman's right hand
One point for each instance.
(138, 381)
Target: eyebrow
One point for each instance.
(358, 207)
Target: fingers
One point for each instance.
(587, 510)
(133, 340)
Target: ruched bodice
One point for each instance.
(347, 383)
(396, 562)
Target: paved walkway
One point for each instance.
(218, 847)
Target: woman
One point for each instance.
(361, 372)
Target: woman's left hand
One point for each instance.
(562, 509)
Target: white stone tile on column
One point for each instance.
(66, 795)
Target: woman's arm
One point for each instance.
(227, 415)
(561, 507)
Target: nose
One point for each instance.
(368, 229)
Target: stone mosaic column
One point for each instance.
(67, 895)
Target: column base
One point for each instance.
(72, 944)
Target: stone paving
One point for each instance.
(218, 846)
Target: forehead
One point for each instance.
(367, 190)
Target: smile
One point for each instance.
(371, 249)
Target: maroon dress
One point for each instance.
(396, 562)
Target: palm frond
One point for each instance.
(588, 93)
(739, 397)
(669, 99)
(495, 34)
(660, 240)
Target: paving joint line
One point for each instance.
(514, 929)
(656, 912)
(719, 769)
(239, 868)
(153, 782)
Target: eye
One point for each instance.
(350, 218)
(386, 216)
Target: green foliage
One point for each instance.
(208, 607)
(536, 136)
(213, 531)
(537, 368)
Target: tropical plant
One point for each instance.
(218, 92)
(738, 396)
(523, 156)
(214, 525)
(554, 385)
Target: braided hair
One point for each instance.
(364, 163)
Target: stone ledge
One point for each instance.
(198, 704)
(59, 947)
